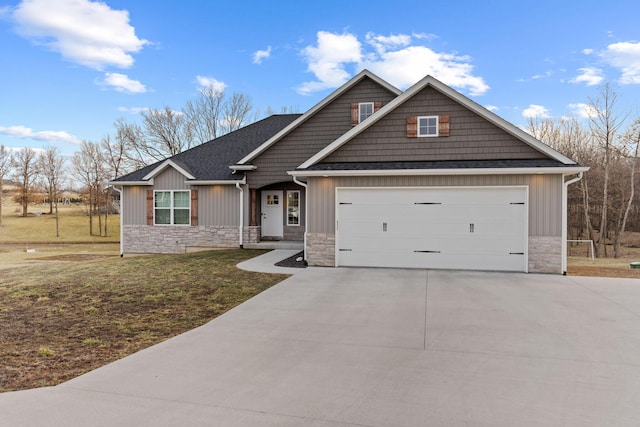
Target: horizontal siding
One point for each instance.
(218, 205)
(320, 130)
(545, 196)
(471, 136)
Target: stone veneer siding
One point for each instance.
(251, 234)
(321, 249)
(545, 254)
(176, 239)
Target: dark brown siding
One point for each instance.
(319, 131)
(471, 137)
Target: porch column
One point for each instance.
(254, 209)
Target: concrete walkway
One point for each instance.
(378, 347)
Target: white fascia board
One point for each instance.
(335, 94)
(217, 182)
(123, 183)
(162, 166)
(409, 172)
(243, 167)
(456, 96)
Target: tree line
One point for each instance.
(603, 205)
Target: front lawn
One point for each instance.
(64, 316)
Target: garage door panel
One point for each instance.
(476, 228)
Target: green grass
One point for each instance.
(65, 318)
(73, 223)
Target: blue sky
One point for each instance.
(72, 67)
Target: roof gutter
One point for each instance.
(241, 227)
(306, 216)
(565, 225)
(465, 171)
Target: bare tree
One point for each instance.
(25, 168)
(114, 155)
(167, 132)
(132, 136)
(50, 163)
(203, 114)
(88, 168)
(236, 111)
(5, 167)
(604, 125)
(631, 140)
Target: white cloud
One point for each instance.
(133, 110)
(82, 31)
(122, 83)
(261, 55)
(395, 58)
(328, 59)
(591, 76)
(383, 43)
(491, 107)
(46, 135)
(210, 82)
(536, 111)
(626, 57)
(582, 110)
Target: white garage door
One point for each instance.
(471, 228)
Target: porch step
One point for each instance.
(276, 244)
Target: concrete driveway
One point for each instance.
(378, 347)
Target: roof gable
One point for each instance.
(319, 106)
(455, 96)
(176, 164)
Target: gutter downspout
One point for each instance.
(239, 187)
(565, 190)
(306, 215)
(121, 191)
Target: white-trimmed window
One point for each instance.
(172, 207)
(365, 109)
(293, 207)
(427, 126)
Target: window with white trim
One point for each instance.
(293, 207)
(365, 109)
(428, 126)
(172, 207)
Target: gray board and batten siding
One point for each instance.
(318, 131)
(471, 136)
(545, 196)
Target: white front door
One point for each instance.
(272, 213)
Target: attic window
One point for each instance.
(427, 126)
(365, 109)
(361, 110)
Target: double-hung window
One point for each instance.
(172, 207)
(293, 208)
(428, 126)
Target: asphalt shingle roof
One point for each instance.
(210, 161)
